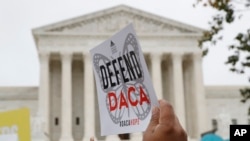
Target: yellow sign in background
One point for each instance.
(17, 122)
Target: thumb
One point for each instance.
(154, 119)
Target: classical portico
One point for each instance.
(67, 95)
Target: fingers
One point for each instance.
(163, 115)
(91, 139)
(167, 115)
(154, 119)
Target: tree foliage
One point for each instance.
(229, 12)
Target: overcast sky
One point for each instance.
(19, 65)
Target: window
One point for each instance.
(77, 121)
(56, 121)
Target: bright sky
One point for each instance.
(19, 65)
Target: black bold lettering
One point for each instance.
(122, 70)
(104, 77)
(110, 74)
(116, 72)
(136, 64)
(129, 66)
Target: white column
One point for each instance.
(156, 73)
(112, 138)
(66, 131)
(178, 88)
(136, 137)
(43, 105)
(89, 99)
(199, 95)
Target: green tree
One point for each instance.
(229, 12)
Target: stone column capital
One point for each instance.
(197, 56)
(156, 55)
(66, 56)
(86, 55)
(177, 55)
(44, 55)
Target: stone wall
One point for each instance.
(224, 107)
(19, 97)
(23, 97)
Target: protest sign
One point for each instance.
(125, 91)
(15, 125)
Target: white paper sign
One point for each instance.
(9, 137)
(125, 91)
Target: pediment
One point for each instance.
(113, 19)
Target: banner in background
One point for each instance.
(15, 125)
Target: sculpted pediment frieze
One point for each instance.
(112, 20)
(115, 21)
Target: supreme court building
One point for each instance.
(66, 99)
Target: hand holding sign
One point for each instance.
(164, 125)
